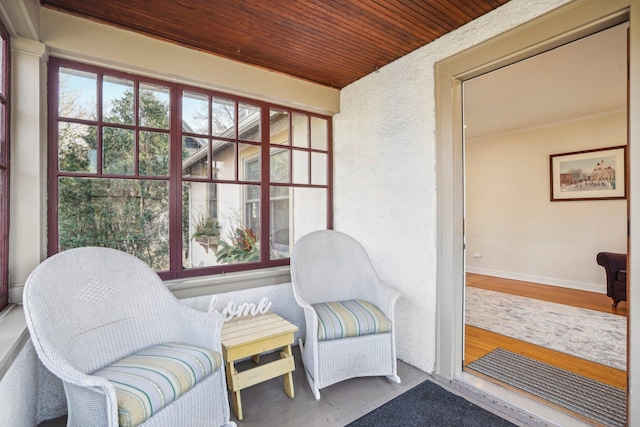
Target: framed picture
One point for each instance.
(598, 174)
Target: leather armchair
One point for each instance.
(615, 266)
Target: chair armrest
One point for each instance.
(105, 394)
(198, 327)
(612, 263)
(615, 261)
(385, 299)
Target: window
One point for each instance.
(177, 175)
(4, 166)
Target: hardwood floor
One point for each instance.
(479, 342)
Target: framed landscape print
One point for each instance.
(598, 174)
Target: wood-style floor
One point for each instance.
(479, 342)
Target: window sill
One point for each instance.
(205, 285)
(221, 283)
(13, 335)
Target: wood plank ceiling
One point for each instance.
(333, 43)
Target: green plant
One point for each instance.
(243, 248)
(206, 226)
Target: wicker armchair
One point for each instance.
(336, 285)
(88, 308)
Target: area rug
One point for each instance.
(592, 399)
(588, 334)
(428, 404)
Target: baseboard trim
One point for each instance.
(590, 287)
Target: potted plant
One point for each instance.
(207, 231)
(243, 248)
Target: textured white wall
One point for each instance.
(384, 172)
(19, 390)
(512, 223)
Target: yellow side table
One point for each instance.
(251, 336)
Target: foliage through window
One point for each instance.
(4, 165)
(177, 175)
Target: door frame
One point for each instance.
(563, 25)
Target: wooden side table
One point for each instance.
(251, 336)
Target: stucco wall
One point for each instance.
(18, 387)
(515, 231)
(385, 171)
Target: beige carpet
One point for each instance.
(588, 334)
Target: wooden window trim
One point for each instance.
(175, 178)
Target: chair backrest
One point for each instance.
(91, 306)
(328, 265)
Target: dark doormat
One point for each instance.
(592, 399)
(428, 404)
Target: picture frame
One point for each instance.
(598, 174)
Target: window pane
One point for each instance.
(128, 215)
(249, 123)
(300, 167)
(250, 157)
(154, 106)
(223, 117)
(216, 228)
(309, 211)
(319, 168)
(279, 127)
(319, 134)
(300, 134)
(280, 160)
(224, 160)
(153, 153)
(76, 147)
(195, 157)
(279, 236)
(117, 151)
(117, 101)
(252, 195)
(78, 93)
(195, 113)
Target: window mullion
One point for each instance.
(265, 202)
(175, 182)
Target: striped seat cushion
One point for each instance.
(351, 318)
(152, 378)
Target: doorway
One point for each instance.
(526, 255)
(567, 24)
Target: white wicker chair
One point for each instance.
(331, 266)
(88, 307)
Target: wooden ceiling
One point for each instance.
(333, 43)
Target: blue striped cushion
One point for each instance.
(150, 379)
(351, 318)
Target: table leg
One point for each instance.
(237, 404)
(288, 377)
(236, 401)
